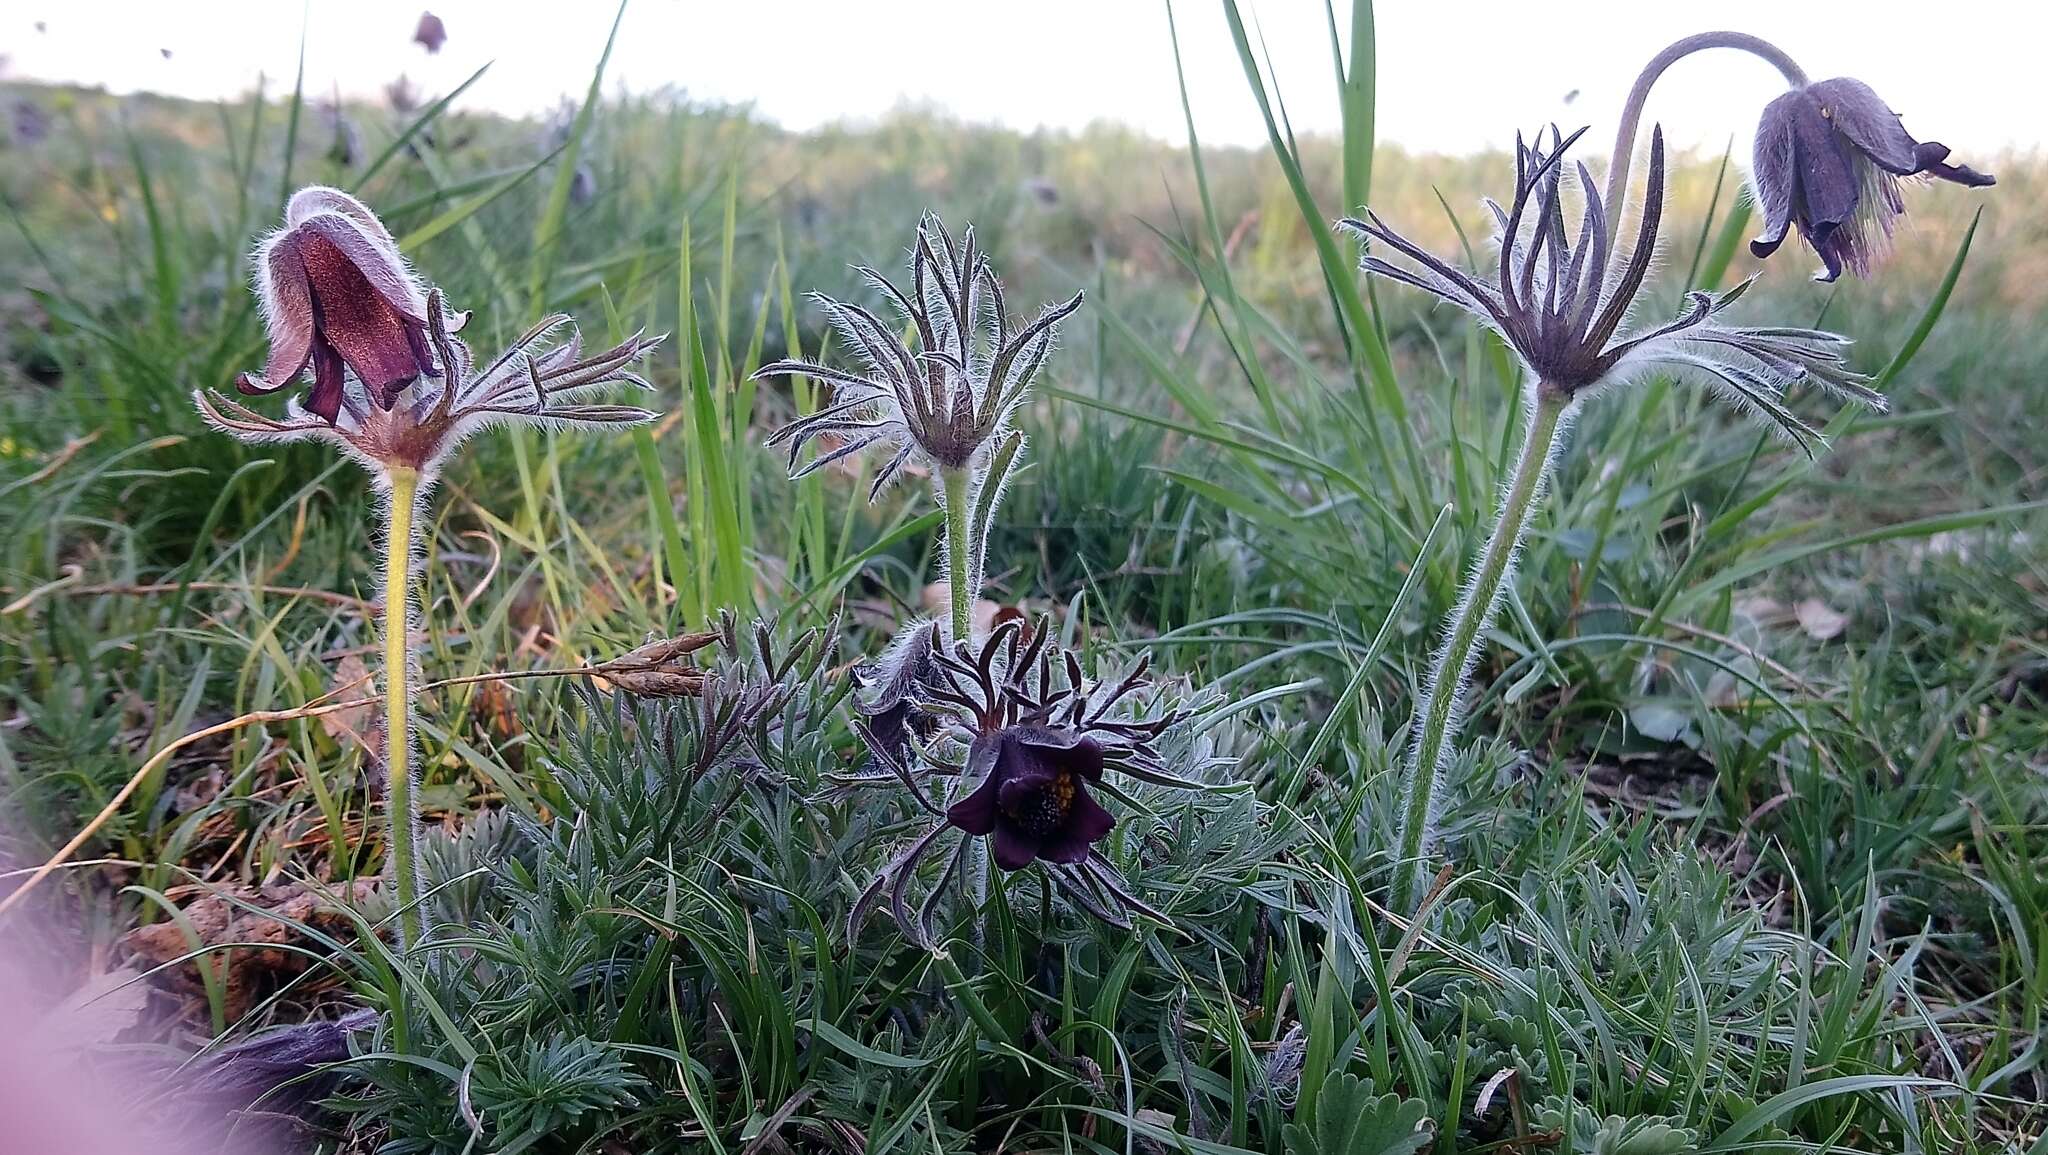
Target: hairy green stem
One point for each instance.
(1632, 111)
(398, 800)
(959, 554)
(1453, 664)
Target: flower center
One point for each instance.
(1043, 811)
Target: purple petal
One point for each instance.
(1929, 157)
(1772, 169)
(360, 307)
(976, 813)
(1829, 190)
(1060, 750)
(1014, 849)
(325, 399)
(1087, 824)
(1837, 247)
(984, 756)
(314, 200)
(1862, 116)
(1090, 822)
(287, 315)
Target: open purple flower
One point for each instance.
(336, 293)
(1033, 796)
(1020, 739)
(1829, 156)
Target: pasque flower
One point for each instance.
(395, 389)
(392, 384)
(1558, 307)
(1033, 798)
(948, 401)
(1560, 301)
(1034, 738)
(947, 405)
(336, 294)
(1829, 156)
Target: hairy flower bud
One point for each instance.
(949, 402)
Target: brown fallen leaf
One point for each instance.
(497, 709)
(258, 965)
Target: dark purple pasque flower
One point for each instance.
(392, 386)
(337, 294)
(1829, 156)
(1561, 311)
(540, 380)
(1020, 738)
(1033, 798)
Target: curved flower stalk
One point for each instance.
(1828, 157)
(1021, 741)
(395, 389)
(1555, 303)
(946, 406)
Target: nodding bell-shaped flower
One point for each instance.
(1555, 302)
(392, 386)
(1829, 156)
(1018, 741)
(337, 294)
(943, 405)
(1033, 799)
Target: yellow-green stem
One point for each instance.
(1476, 603)
(397, 704)
(959, 555)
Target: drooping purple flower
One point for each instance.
(31, 123)
(539, 380)
(1829, 156)
(336, 293)
(1033, 798)
(891, 716)
(1556, 304)
(430, 33)
(1020, 740)
(392, 386)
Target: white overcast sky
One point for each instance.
(1455, 75)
